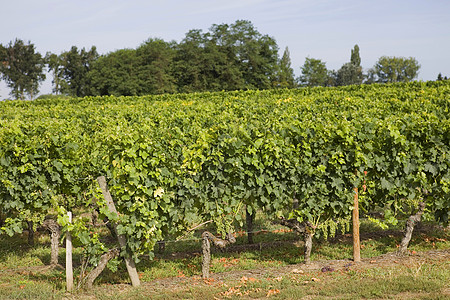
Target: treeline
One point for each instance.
(227, 57)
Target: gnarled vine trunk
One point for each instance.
(306, 229)
(410, 223)
(206, 256)
(55, 233)
(104, 259)
(207, 239)
(129, 262)
(308, 234)
(30, 233)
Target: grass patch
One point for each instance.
(21, 275)
(424, 281)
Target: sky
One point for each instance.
(320, 29)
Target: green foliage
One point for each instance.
(285, 78)
(395, 69)
(22, 68)
(116, 74)
(228, 57)
(314, 73)
(132, 72)
(355, 59)
(55, 66)
(154, 67)
(173, 161)
(76, 65)
(351, 72)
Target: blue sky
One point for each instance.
(321, 29)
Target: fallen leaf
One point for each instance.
(315, 279)
(297, 271)
(232, 291)
(272, 292)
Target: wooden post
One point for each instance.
(69, 268)
(129, 262)
(356, 242)
(206, 257)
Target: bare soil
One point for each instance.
(382, 261)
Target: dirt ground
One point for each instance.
(382, 261)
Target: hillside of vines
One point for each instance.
(175, 161)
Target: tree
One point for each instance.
(314, 73)
(351, 72)
(257, 55)
(55, 66)
(155, 70)
(286, 78)
(228, 57)
(253, 54)
(355, 59)
(116, 74)
(440, 77)
(22, 68)
(206, 63)
(221, 60)
(76, 67)
(189, 62)
(331, 78)
(147, 69)
(395, 69)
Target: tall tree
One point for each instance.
(22, 68)
(189, 62)
(156, 63)
(314, 73)
(255, 55)
(395, 69)
(286, 78)
(116, 73)
(222, 59)
(351, 72)
(206, 63)
(228, 57)
(55, 66)
(77, 64)
(355, 59)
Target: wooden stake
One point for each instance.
(69, 268)
(206, 257)
(356, 242)
(129, 262)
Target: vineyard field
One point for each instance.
(173, 162)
